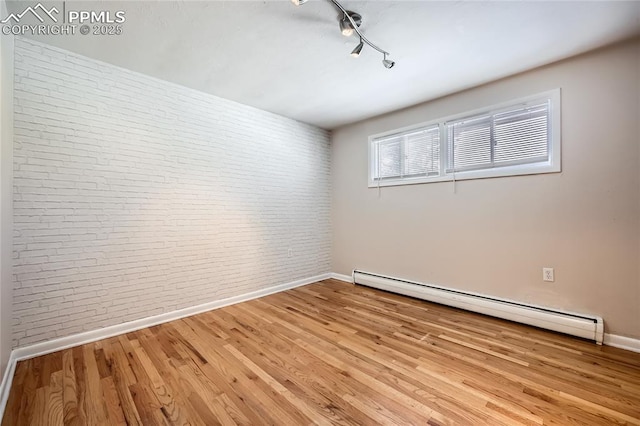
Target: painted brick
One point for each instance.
(134, 197)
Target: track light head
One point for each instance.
(356, 52)
(387, 62)
(299, 2)
(346, 27)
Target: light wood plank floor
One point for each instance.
(331, 353)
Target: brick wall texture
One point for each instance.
(135, 197)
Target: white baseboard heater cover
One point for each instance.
(585, 326)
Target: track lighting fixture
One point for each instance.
(356, 52)
(349, 22)
(346, 28)
(387, 63)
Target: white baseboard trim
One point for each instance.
(55, 345)
(7, 380)
(38, 349)
(341, 277)
(66, 342)
(622, 342)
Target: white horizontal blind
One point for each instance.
(409, 154)
(522, 135)
(469, 144)
(422, 152)
(389, 158)
(519, 135)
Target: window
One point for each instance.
(406, 155)
(520, 137)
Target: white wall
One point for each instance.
(6, 166)
(494, 235)
(135, 197)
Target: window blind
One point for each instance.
(521, 136)
(516, 136)
(409, 154)
(389, 153)
(422, 152)
(470, 144)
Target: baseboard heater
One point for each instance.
(585, 326)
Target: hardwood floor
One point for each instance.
(331, 353)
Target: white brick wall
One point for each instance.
(134, 197)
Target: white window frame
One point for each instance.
(553, 165)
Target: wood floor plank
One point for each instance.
(70, 413)
(37, 413)
(173, 410)
(147, 404)
(54, 413)
(93, 401)
(330, 353)
(28, 398)
(123, 377)
(112, 402)
(12, 410)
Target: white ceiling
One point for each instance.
(293, 60)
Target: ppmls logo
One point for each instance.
(52, 22)
(33, 11)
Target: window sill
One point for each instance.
(532, 169)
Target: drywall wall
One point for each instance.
(494, 236)
(135, 197)
(6, 190)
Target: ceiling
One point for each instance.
(293, 61)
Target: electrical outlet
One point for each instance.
(547, 274)
(290, 253)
